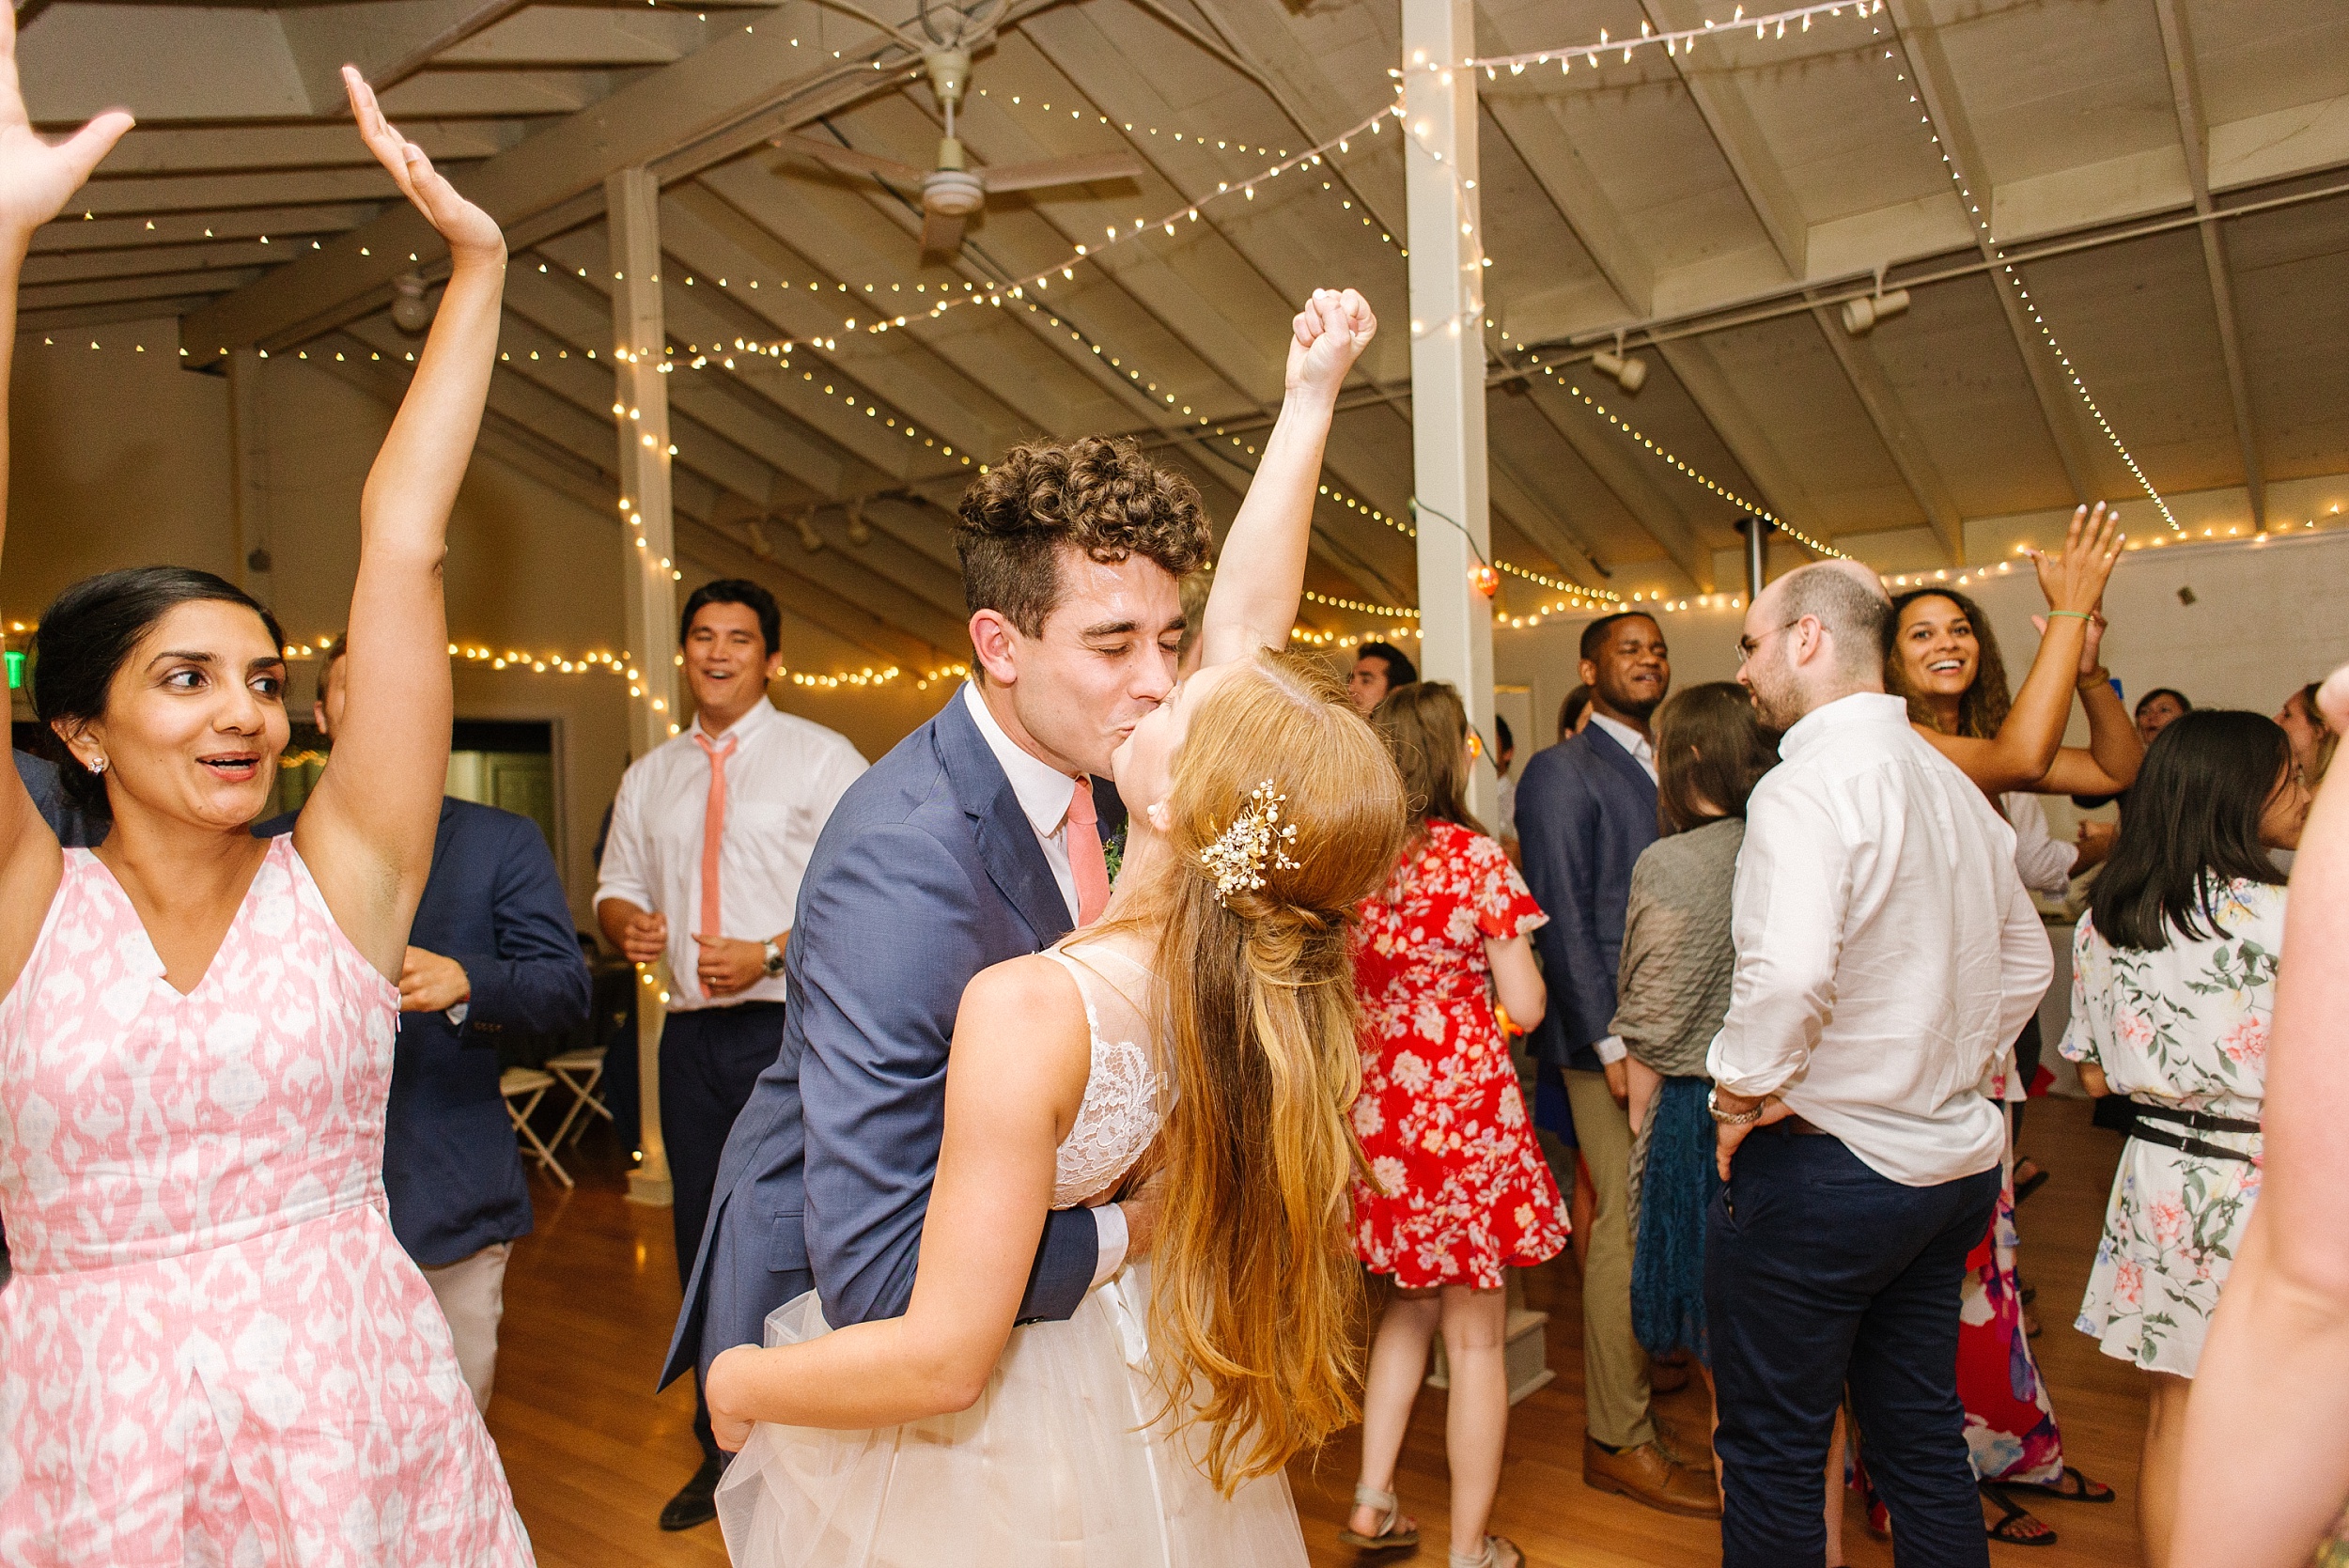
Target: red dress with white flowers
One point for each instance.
(1440, 1117)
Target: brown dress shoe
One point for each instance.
(1695, 1458)
(1645, 1476)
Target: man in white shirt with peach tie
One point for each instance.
(1886, 952)
(710, 836)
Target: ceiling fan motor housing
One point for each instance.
(950, 190)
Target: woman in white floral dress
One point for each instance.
(2174, 987)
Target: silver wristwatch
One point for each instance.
(774, 958)
(1730, 1118)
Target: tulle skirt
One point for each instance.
(1057, 1466)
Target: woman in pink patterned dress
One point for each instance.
(213, 1350)
(1463, 1192)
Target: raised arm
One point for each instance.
(35, 181)
(2109, 763)
(2270, 1413)
(367, 830)
(1261, 573)
(2019, 756)
(1015, 1081)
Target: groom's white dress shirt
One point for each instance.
(1887, 952)
(1044, 792)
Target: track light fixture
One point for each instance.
(1860, 316)
(412, 313)
(1630, 374)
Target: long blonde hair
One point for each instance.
(1256, 1299)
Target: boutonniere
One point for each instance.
(1114, 854)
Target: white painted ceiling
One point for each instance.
(1703, 203)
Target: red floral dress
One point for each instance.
(1440, 1118)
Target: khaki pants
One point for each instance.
(1614, 1368)
(472, 1294)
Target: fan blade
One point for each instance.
(1059, 171)
(942, 234)
(851, 161)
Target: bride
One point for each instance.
(1208, 1022)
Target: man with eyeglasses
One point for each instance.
(1585, 809)
(1886, 952)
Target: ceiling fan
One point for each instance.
(952, 191)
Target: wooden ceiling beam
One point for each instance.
(1538, 131)
(1650, 504)
(725, 96)
(1937, 89)
(513, 432)
(1738, 135)
(573, 311)
(2194, 137)
(1777, 485)
(1903, 442)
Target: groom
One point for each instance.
(979, 838)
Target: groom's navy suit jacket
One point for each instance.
(927, 873)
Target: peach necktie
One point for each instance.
(713, 828)
(1086, 864)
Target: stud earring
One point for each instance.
(98, 764)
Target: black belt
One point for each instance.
(2199, 1121)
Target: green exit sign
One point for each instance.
(16, 669)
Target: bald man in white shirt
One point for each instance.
(1886, 950)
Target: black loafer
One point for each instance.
(696, 1502)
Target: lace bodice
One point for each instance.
(1125, 1100)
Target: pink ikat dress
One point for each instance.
(1440, 1117)
(214, 1351)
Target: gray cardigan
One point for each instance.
(1672, 986)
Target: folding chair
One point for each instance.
(579, 1071)
(524, 1088)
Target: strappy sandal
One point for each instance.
(2015, 1525)
(2073, 1487)
(1391, 1536)
(1490, 1556)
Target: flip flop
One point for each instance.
(2075, 1487)
(2014, 1519)
(2025, 1189)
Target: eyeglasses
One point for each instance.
(1748, 646)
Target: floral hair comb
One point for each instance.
(1236, 859)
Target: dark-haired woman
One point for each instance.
(214, 1349)
(2173, 988)
(1945, 660)
(1462, 1191)
(1673, 992)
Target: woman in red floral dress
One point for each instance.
(1462, 1189)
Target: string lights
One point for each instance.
(1681, 42)
(1997, 252)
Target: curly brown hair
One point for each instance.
(1098, 494)
(1986, 701)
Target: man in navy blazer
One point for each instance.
(492, 949)
(1585, 809)
(955, 851)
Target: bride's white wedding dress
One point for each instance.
(1059, 1465)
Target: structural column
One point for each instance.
(640, 401)
(1448, 360)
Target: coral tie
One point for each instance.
(713, 828)
(1086, 864)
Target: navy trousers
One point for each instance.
(711, 1059)
(1819, 1273)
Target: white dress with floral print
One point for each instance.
(2183, 1026)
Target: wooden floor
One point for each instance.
(593, 1454)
